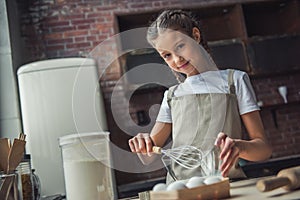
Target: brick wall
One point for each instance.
(281, 122)
(68, 28)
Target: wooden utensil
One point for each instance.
(16, 153)
(4, 151)
(14, 156)
(289, 179)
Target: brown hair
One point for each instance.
(178, 20)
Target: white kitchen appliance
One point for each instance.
(58, 97)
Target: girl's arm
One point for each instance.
(142, 143)
(255, 149)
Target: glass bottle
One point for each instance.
(36, 186)
(24, 170)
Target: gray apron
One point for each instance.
(196, 120)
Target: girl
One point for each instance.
(205, 108)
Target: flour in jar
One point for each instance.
(87, 180)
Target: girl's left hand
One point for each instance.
(229, 152)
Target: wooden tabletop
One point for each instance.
(246, 189)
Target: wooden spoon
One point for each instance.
(14, 158)
(4, 151)
(16, 153)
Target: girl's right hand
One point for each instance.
(141, 143)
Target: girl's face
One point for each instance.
(181, 52)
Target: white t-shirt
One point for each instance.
(213, 82)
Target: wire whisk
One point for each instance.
(186, 156)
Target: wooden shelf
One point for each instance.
(276, 106)
(222, 22)
(146, 89)
(273, 109)
(259, 37)
(230, 54)
(274, 53)
(272, 17)
(274, 74)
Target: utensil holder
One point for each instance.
(10, 186)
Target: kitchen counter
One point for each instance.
(246, 189)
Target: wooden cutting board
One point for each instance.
(214, 191)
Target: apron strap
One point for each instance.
(231, 82)
(171, 94)
(241, 162)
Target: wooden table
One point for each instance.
(246, 189)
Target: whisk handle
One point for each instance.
(156, 149)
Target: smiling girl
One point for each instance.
(208, 105)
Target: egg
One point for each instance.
(195, 182)
(196, 178)
(177, 185)
(212, 179)
(159, 187)
(183, 181)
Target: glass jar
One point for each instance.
(10, 186)
(24, 170)
(36, 186)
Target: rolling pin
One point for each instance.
(288, 179)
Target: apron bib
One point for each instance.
(197, 119)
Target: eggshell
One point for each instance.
(196, 178)
(195, 182)
(177, 185)
(212, 179)
(160, 187)
(183, 181)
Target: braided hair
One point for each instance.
(178, 20)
